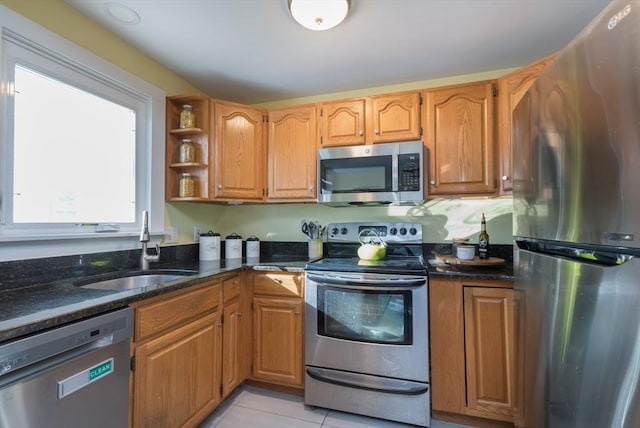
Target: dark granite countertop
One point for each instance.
(40, 294)
(33, 308)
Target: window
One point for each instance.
(81, 141)
(83, 149)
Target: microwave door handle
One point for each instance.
(394, 172)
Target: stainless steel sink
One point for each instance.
(137, 279)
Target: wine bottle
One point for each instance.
(483, 240)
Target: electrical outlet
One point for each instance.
(196, 233)
(171, 235)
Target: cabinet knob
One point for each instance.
(278, 280)
(296, 314)
(375, 131)
(219, 186)
(239, 314)
(432, 182)
(361, 132)
(505, 178)
(310, 189)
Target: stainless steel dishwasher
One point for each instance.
(72, 376)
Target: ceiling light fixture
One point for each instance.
(121, 13)
(319, 15)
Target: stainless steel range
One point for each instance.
(366, 325)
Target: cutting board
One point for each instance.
(476, 262)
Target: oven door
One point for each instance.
(367, 323)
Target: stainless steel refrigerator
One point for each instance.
(577, 232)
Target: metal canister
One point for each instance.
(253, 247)
(210, 246)
(233, 246)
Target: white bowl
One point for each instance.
(466, 252)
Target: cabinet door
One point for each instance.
(460, 141)
(239, 153)
(447, 346)
(231, 337)
(292, 154)
(394, 117)
(342, 123)
(511, 89)
(277, 340)
(488, 316)
(177, 376)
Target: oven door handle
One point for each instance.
(368, 383)
(389, 283)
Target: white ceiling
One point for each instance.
(252, 51)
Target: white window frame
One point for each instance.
(19, 243)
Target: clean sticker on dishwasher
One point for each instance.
(84, 378)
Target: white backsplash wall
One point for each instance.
(442, 219)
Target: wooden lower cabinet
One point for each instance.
(177, 352)
(472, 348)
(278, 329)
(236, 344)
(176, 376)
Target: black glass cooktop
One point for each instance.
(407, 266)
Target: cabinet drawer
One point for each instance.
(278, 284)
(169, 312)
(231, 288)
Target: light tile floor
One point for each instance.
(251, 407)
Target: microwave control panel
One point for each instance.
(409, 172)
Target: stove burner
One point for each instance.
(404, 249)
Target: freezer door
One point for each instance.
(577, 138)
(577, 343)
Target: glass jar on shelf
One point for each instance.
(187, 186)
(187, 119)
(187, 151)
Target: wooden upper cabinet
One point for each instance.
(202, 140)
(239, 153)
(292, 154)
(342, 123)
(511, 89)
(460, 139)
(394, 117)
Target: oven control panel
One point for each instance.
(389, 232)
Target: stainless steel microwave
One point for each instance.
(390, 173)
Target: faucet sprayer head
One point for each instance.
(144, 234)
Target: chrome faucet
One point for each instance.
(145, 238)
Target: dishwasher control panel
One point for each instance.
(92, 332)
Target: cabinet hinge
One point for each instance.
(222, 319)
(495, 90)
(321, 112)
(221, 390)
(421, 131)
(265, 118)
(132, 364)
(420, 98)
(321, 140)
